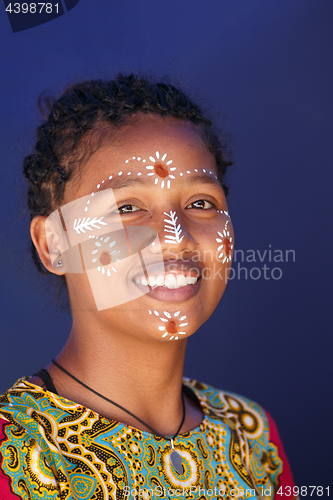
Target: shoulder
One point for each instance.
(249, 413)
(248, 420)
(235, 409)
(18, 406)
(24, 452)
(14, 405)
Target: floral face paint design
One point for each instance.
(157, 166)
(171, 227)
(103, 255)
(171, 324)
(161, 169)
(226, 243)
(113, 261)
(100, 246)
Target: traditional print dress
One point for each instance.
(53, 448)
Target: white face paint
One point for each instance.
(160, 168)
(104, 256)
(99, 245)
(87, 224)
(170, 227)
(225, 241)
(172, 325)
(120, 256)
(157, 167)
(90, 224)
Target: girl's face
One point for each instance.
(163, 179)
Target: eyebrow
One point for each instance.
(204, 179)
(198, 179)
(121, 183)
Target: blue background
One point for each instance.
(266, 66)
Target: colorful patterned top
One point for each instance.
(53, 448)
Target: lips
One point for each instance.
(180, 281)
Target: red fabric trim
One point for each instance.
(5, 489)
(286, 478)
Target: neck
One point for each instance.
(145, 377)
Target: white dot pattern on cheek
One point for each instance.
(103, 255)
(172, 325)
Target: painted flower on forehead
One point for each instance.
(226, 245)
(171, 324)
(103, 255)
(161, 169)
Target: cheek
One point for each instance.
(216, 255)
(224, 240)
(216, 243)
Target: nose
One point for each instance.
(174, 235)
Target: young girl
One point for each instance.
(128, 207)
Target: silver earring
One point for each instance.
(59, 263)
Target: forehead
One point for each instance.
(167, 132)
(152, 148)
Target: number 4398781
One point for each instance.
(303, 491)
(32, 8)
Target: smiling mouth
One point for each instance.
(177, 274)
(170, 280)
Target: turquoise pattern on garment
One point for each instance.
(61, 449)
(82, 486)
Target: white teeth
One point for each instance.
(151, 281)
(159, 280)
(170, 281)
(181, 280)
(191, 280)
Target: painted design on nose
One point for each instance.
(103, 255)
(161, 169)
(171, 324)
(226, 244)
(87, 224)
(171, 227)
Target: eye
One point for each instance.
(126, 209)
(202, 204)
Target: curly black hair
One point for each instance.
(82, 115)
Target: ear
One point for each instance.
(47, 246)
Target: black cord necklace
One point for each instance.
(175, 456)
